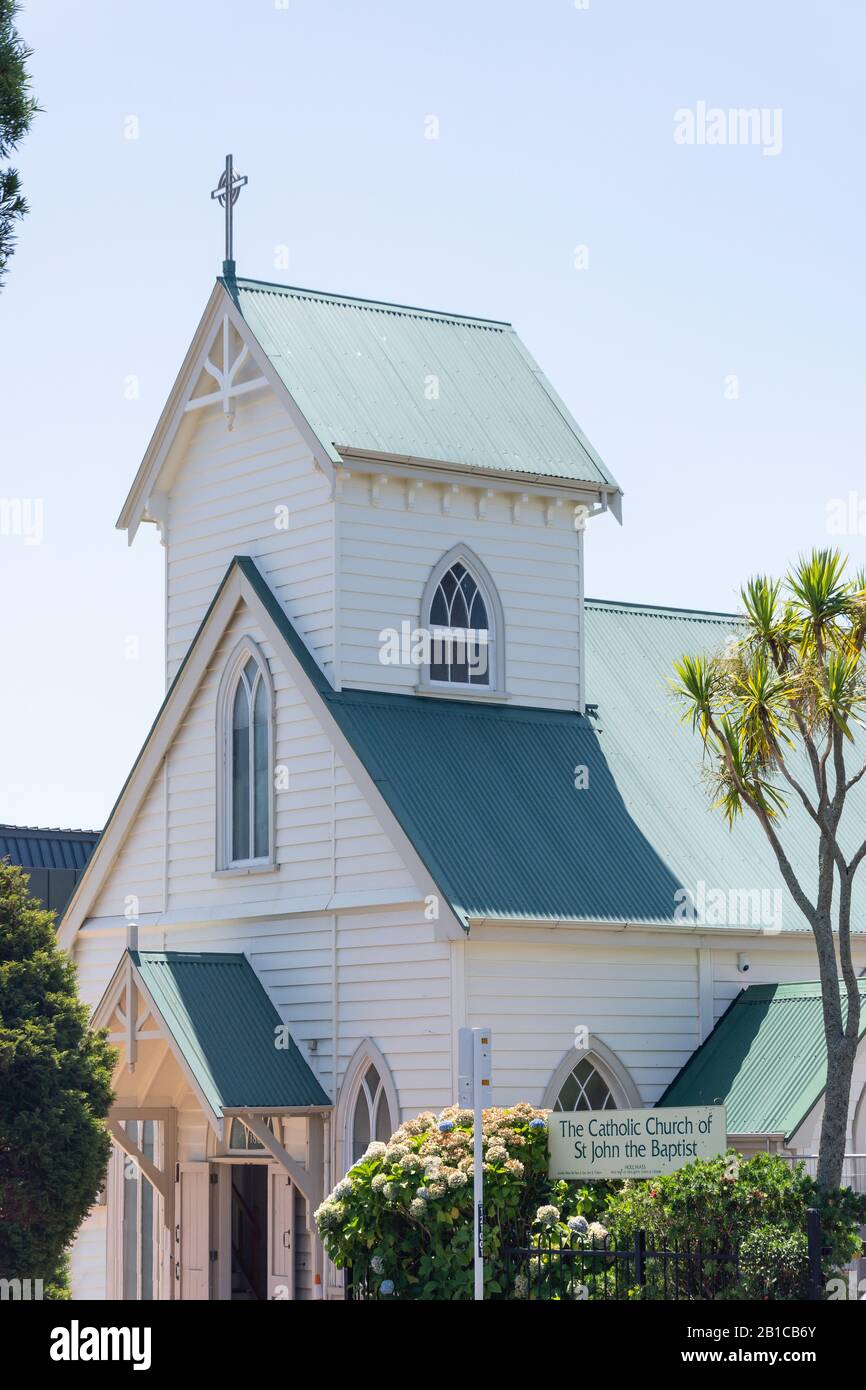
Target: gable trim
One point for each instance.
(145, 501)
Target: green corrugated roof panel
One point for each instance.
(357, 370)
(486, 792)
(224, 1023)
(765, 1060)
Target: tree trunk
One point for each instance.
(841, 1052)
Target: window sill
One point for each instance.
(244, 870)
(474, 693)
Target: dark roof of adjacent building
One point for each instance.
(357, 370)
(765, 1060)
(228, 1031)
(36, 848)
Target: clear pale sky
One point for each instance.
(556, 130)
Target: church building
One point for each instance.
(406, 777)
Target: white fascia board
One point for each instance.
(696, 934)
(171, 416)
(157, 455)
(412, 466)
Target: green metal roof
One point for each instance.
(358, 369)
(486, 792)
(765, 1060)
(224, 1025)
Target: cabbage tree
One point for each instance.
(779, 714)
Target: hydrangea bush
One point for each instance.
(402, 1216)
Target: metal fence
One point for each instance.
(853, 1168)
(550, 1267)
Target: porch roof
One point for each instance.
(764, 1061)
(222, 1021)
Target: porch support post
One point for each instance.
(159, 1178)
(316, 1152)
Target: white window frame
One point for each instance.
(246, 649)
(496, 641)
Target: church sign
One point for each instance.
(591, 1144)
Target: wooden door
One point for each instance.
(192, 1232)
(281, 1244)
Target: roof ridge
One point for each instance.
(47, 830)
(662, 608)
(373, 304)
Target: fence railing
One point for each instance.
(853, 1168)
(552, 1267)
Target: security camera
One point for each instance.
(743, 963)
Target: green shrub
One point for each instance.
(774, 1264)
(756, 1205)
(55, 1090)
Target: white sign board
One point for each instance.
(591, 1144)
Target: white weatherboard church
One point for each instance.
(340, 844)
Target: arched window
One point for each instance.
(367, 1107)
(584, 1089)
(372, 1117)
(461, 612)
(245, 807)
(591, 1079)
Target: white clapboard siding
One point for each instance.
(777, 963)
(87, 1262)
(138, 870)
(222, 502)
(642, 1003)
(386, 552)
(328, 839)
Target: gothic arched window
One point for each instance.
(245, 713)
(372, 1117)
(463, 616)
(591, 1078)
(584, 1089)
(367, 1107)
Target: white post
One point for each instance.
(474, 1087)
